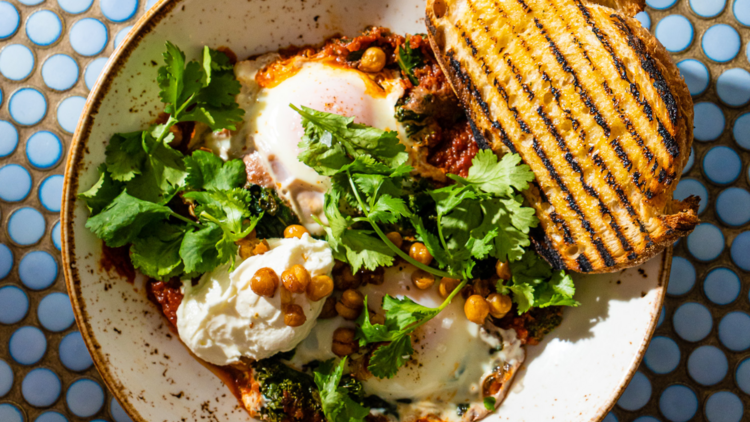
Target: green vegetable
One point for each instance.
(335, 400)
(535, 285)
(408, 59)
(489, 403)
(288, 395)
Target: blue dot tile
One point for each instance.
(44, 149)
(707, 365)
(27, 345)
(707, 8)
(69, 111)
(44, 27)
(120, 37)
(27, 106)
(37, 270)
(734, 331)
(740, 251)
(733, 207)
(690, 186)
(724, 406)
(41, 387)
(696, 75)
(742, 376)
(55, 312)
(660, 4)
(709, 121)
(682, 277)
(690, 161)
(678, 403)
(10, 413)
(6, 378)
(14, 305)
(8, 138)
(644, 18)
(51, 417)
(119, 10)
(722, 286)
(60, 72)
(75, 7)
(56, 236)
(117, 412)
(706, 242)
(26, 226)
(646, 419)
(662, 316)
(722, 165)
(611, 417)
(721, 43)
(85, 398)
(151, 3)
(740, 131)
(6, 260)
(88, 37)
(675, 32)
(733, 87)
(10, 19)
(741, 11)
(692, 321)
(16, 62)
(50, 192)
(93, 70)
(637, 394)
(73, 353)
(15, 183)
(31, 2)
(662, 356)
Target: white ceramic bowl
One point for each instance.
(576, 374)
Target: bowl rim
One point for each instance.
(73, 164)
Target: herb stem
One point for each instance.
(185, 219)
(440, 308)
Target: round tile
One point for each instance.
(741, 11)
(660, 4)
(690, 186)
(733, 207)
(722, 286)
(41, 387)
(709, 121)
(26, 226)
(8, 138)
(706, 242)
(14, 305)
(37, 270)
(120, 37)
(646, 419)
(73, 353)
(75, 7)
(742, 376)
(662, 355)
(690, 161)
(119, 10)
(707, 8)
(27, 345)
(675, 32)
(60, 72)
(692, 321)
(722, 165)
(51, 417)
(149, 5)
(733, 87)
(16, 62)
(721, 43)
(678, 403)
(88, 37)
(69, 111)
(15, 183)
(31, 2)
(56, 236)
(637, 393)
(740, 250)
(681, 278)
(662, 316)
(85, 398)
(6, 260)
(741, 130)
(10, 20)
(611, 417)
(93, 70)
(644, 18)
(6, 378)
(10, 413)
(734, 331)
(695, 74)
(55, 312)
(117, 412)
(50, 192)
(27, 106)
(724, 406)
(707, 365)
(44, 27)
(44, 149)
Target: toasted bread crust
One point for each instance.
(601, 208)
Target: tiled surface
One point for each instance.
(51, 52)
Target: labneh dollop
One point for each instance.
(221, 320)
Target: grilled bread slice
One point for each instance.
(592, 103)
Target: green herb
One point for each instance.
(288, 395)
(408, 59)
(335, 400)
(489, 403)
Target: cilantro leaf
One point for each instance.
(406, 312)
(535, 285)
(170, 77)
(489, 403)
(198, 249)
(387, 359)
(499, 178)
(335, 401)
(125, 156)
(163, 171)
(365, 251)
(123, 219)
(388, 209)
(408, 59)
(104, 191)
(157, 255)
(206, 171)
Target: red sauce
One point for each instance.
(168, 296)
(117, 260)
(456, 150)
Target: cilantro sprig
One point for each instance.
(408, 59)
(335, 401)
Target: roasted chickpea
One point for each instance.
(261, 248)
(353, 299)
(376, 277)
(343, 342)
(329, 308)
(395, 238)
(503, 270)
(499, 304)
(346, 280)
(286, 296)
(373, 60)
(296, 279)
(347, 312)
(422, 279)
(447, 285)
(376, 318)
(320, 286)
(419, 252)
(476, 309)
(295, 230)
(293, 315)
(264, 282)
